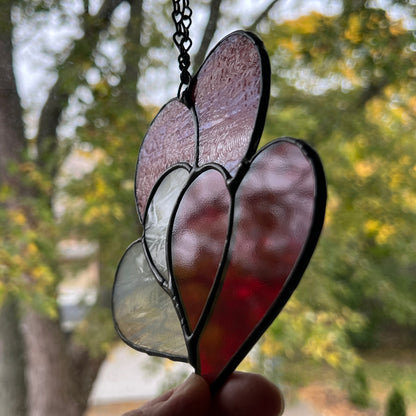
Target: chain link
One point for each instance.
(181, 16)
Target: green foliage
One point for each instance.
(346, 84)
(96, 332)
(358, 389)
(395, 405)
(29, 266)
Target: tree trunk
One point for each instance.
(12, 145)
(12, 141)
(12, 382)
(210, 29)
(51, 386)
(262, 16)
(60, 377)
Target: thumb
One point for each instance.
(190, 398)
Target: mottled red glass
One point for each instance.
(273, 216)
(198, 239)
(227, 95)
(171, 138)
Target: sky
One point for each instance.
(39, 41)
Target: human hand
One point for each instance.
(244, 394)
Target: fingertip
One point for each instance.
(190, 398)
(245, 394)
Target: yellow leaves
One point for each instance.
(405, 160)
(397, 28)
(399, 114)
(365, 168)
(321, 347)
(386, 231)
(394, 109)
(32, 249)
(289, 44)
(5, 192)
(17, 217)
(50, 309)
(101, 88)
(353, 32)
(118, 212)
(308, 24)
(93, 156)
(376, 108)
(396, 180)
(100, 188)
(39, 271)
(331, 207)
(371, 226)
(270, 347)
(412, 100)
(348, 71)
(409, 200)
(380, 231)
(35, 177)
(27, 255)
(96, 214)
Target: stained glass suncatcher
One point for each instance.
(227, 233)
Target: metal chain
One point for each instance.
(181, 16)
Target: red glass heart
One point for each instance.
(273, 215)
(198, 241)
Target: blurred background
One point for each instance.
(81, 80)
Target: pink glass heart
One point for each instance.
(273, 213)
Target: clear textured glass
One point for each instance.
(142, 310)
(159, 214)
(198, 238)
(272, 219)
(171, 138)
(227, 96)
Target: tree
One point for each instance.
(346, 83)
(60, 372)
(395, 405)
(12, 144)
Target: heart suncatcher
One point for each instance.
(228, 232)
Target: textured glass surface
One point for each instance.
(142, 310)
(198, 238)
(273, 215)
(227, 97)
(227, 236)
(171, 138)
(158, 216)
